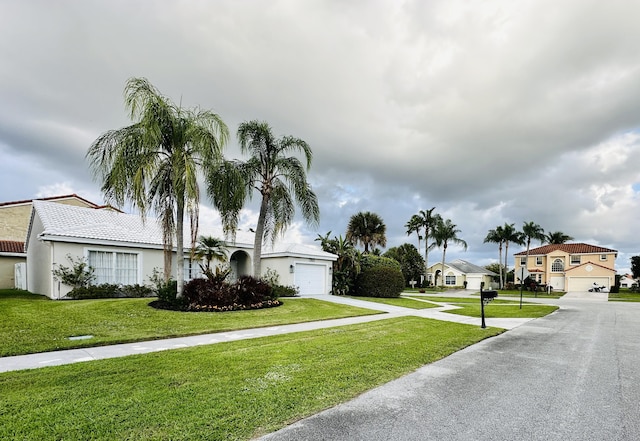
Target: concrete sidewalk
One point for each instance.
(32, 361)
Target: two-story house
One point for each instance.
(569, 266)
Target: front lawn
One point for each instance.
(32, 323)
(528, 294)
(495, 309)
(227, 391)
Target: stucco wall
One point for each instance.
(39, 277)
(7, 270)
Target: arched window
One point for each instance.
(557, 266)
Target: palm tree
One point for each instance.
(154, 163)
(414, 225)
(209, 249)
(510, 234)
(279, 179)
(368, 229)
(557, 238)
(429, 222)
(530, 231)
(445, 232)
(497, 236)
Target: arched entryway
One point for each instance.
(240, 263)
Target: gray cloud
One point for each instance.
(504, 112)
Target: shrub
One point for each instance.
(284, 291)
(106, 291)
(217, 295)
(380, 281)
(79, 275)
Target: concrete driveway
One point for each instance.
(573, 375)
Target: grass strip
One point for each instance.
(227, 391)
(405, 302)
(624, 297)
(462, 300)
(32, 323)
(528, 310)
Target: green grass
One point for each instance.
(528, 310)
(495, 309)
(405, 302)
(528, 294)
(475, 300)
(32, 323)
(228, 391)
(624, 296)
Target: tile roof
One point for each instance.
(50, 198)
(296, 250)
(11, 246)
(572, 248)
(68, 221)
(469, 268)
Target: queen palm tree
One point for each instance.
(368, 229)
(557, 237)
(497, 236)
(414, 225)
(510, 235)
(280, 179)
(429, 222)
(445, 232)
(155, 162)
(531, 231)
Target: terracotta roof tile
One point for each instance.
(572, 248)
(11, 246)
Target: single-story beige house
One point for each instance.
(459, 271)
(124, 249)
(569, 266)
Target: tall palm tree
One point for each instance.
(368, 229)
(445, 232)
(414, 225)
(510, 234)
(154, 163)
(209, 248)
(429, 222)
(557, 238)
(497, 236)
(280, 179)
(531, 231)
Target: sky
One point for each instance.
(492, 112)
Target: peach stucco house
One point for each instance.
(569, 266)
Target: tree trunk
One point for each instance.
(180, 248)
(500, 264)
(506, 256)
(444, 253)
(257, 241)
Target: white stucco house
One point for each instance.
(124, 249)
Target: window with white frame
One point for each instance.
(557, 266)
(538, 260)
(450, 280)
(523, 261)
(192, 270)
(114, 267)
(575, 260)
(603, 257)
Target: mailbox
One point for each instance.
(486, 297)
(489, 295)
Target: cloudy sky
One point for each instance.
(492, 112)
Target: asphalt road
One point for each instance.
(573, 375)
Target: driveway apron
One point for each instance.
(573, 375)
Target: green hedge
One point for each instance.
(380, 281)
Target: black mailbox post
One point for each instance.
(485, 297)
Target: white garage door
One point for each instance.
(310, 279)
(473, 282)
(586, 283)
